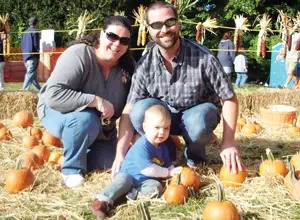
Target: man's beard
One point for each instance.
(170, 43)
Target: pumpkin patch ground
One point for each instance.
(258, 197)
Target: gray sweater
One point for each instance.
(77, 78)
(226, 57)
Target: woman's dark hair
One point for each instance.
(93, 39)
(160, 4)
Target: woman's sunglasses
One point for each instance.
(113, 38)
(159, 24)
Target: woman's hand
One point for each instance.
(103, 106)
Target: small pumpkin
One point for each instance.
(272, 167)
(240, 123)
(188, 178)
(258, 127)
(30, 141)
(18, 180)
(49, 140)
(1, 125)
(221, 208)
(5, 134)
(176, 141)
(293, 130)
(176, 193)
(42, 152)
(249, 129)
(23, 119)
(54, 157)
(232, 179)
(30, 160)
(37, 132)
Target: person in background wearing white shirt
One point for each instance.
(241, 68)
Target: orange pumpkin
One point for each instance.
(42, 152)
(293, 130)
(5, 134)
(220, 209)
(272, 167)
(232, 179)
(240, 123)
(17, 180)
(188, 178)
(1, 125)
(23, 119)
(258, 127)
(176, 193)
(49, 140)
(249, 129)
(176, 141)
(30, 141)
(54, 157)
(37, 132)
(30, 161)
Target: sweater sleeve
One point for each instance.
(155, 170)
(63, 91)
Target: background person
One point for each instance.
(241, 68)
(84, 97)
(189, 81)
(30, 45)
(146, 162)
(5, 29)
(226, 53)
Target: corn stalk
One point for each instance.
(139, 16)
(284, 30)
(264, 23)
(296, 27)
(83, 20)
(201, 28)
(241, 24)
(182, 7)
(6, 38)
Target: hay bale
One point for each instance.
(254, 101)
(15, 101)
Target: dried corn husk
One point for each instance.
(83, 20)
(182, 7)
(139, 16)
(6, 41)
(283, 19)
(296, 27)
(208, 25)
(264, 22)
(241, 24)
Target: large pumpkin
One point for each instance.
(272, 167)
(232, 179)
(220, 209)
(49, 140)
(176, 193)
(17, 180)
(23, 119)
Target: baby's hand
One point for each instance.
(174, 171)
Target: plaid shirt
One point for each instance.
(197, 77)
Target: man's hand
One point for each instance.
(231, 159)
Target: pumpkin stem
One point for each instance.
(221, 193)
(270, 154)
(19, 163)
(295, 122)
(178, 179)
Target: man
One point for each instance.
(30, 46)
(189, 81)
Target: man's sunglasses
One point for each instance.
(159, 24)
(113, 38)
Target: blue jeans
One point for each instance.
(241, 79)
(196, 125)
(123, 183)
(78, 131)
(31, 74)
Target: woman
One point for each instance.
(226, 53)
(85, 95)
